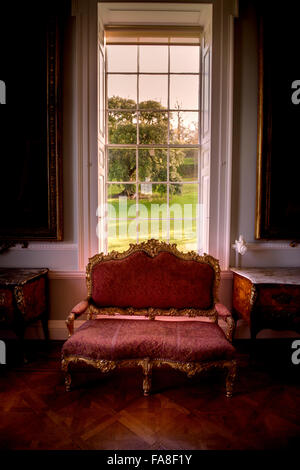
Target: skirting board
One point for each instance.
(57, 330)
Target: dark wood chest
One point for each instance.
(23, 298)
(267, 298)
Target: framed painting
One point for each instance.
(30, 128)
(278, 155)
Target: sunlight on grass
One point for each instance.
(154, 222)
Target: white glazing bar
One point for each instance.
(133, 110)
(159, 146)
(137, 147)
(199, 219)
(106, 155)
(153, 182)
(168, 151)
(153, 73)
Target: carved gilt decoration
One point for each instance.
(231, 327)
(152, 248)
(20, 300)
(189, 368)
(70, 323)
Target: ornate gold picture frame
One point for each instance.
(278, 162)
(30, 131)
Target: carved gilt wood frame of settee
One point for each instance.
(152, 248)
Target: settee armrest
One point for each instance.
(225, 315)
(76, 311)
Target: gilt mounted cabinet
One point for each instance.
(267, 298)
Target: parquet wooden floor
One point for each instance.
(110, 412)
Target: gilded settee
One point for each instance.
(150, 306)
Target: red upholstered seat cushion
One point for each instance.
(164, 281)
(115, 339)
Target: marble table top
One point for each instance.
(270, 275)
(17, 276)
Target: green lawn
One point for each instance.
(123, 232)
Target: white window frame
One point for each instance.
(166, 145)
(85, 146)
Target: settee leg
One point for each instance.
(230, 378)
(147, 369)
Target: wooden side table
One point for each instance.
(267, 298)
(23, 299)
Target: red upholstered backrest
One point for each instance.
(163, 281)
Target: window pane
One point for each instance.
(184, 234)
(154, 59)
(122, 91)
(121, 201)
(153, 229)
(183, 164)
(153, 164)
(153, 211)
(184, 127)
(121, 233)
(184, 59)
(121, 128)
(153, 127)
(122, 58)
(183, 200)
(122, 165)
(153, 88)
(183, 214)
(152, 201)
(184, 92)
